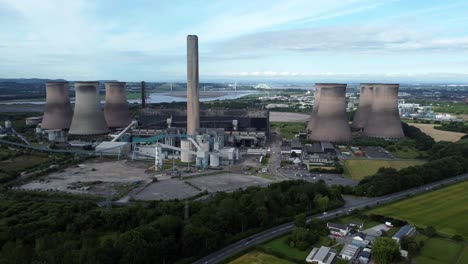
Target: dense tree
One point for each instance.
(80, 232)
(385, 250)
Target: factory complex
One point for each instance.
(229, 142)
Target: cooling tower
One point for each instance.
(58, 112)
(331, 119)
(384, 119)
(313, 116)
(365, 104)
(193, 104)
(116, 107)
(88, 118)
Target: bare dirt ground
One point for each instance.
(438, 135)
(167, 190)
(288, 117)
(95, 178)
(227, 182)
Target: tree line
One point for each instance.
(158, 232)
(446, 160)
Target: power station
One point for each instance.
(331, 120)
(206, 137)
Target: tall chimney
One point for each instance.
(193, 104)
(143, 95)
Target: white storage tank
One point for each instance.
(214, 161)
(184, 155)
(205, 146)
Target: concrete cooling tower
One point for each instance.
(365, 104)
(384, 119)
(116, 109)
(331, 119)
(58, 112)
(313, 116)
(88, 118)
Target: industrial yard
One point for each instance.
(113, 178)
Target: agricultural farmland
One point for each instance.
(357, 169)
(444, 209)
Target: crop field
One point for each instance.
(445, 209)
(438, 135)
(256, 257)
(357, 169)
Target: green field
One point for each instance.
(279, 245)
(464, 257)
(256, 257)
(439, 250)
(445, 209)
(288, 129)
(357, 169)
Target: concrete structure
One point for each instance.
(384, 119)
(88, 118)
(331, 120)
(193, 103)
(313, 116)
(57, 112)
(365, 104)
(116, 109)
(322, 255)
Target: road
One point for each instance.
(266, 235)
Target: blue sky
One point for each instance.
(312, 40)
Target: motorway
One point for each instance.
(266, 235)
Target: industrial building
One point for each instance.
(330, 123)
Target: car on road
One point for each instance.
(324, 213)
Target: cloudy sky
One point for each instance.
(417, 40)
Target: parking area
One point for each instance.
(227, 182)
(377, 153)
(329, 178)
